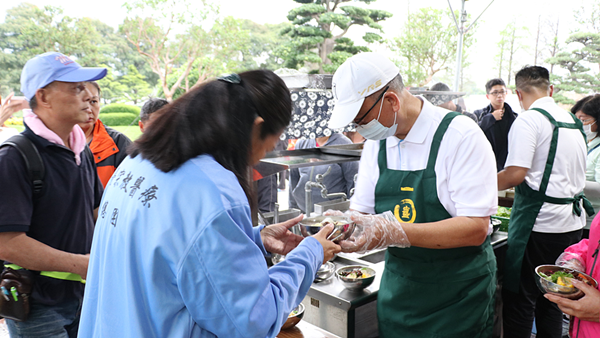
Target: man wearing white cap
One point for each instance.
(430, 176)
(46, 228)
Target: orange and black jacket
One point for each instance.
(109, 148)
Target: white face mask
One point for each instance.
(587, 129)
(374, 130)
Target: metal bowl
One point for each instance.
(325, 271)
(355, 283)
(495, 224)
(559, 290)
(295, 319)
(343, 229)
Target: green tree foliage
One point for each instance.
(582, 62)
(428, 45)
(153, 28)
(265, 40)
(317, 27)
(136, 88)
(29, 30)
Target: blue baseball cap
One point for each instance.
(46, 68)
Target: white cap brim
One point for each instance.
(344, 113)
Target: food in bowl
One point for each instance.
(356, 277)
(343, 227)
(294, 317)
(556, 280)
(355, 273)
(561, 278)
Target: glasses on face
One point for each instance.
(587, 121)
(502, 92)
(373, 106)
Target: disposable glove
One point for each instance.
(372, 232)
(571, 261)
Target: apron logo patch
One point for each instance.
(407, 189)
(405, 211)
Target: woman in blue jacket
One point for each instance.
(174, 251)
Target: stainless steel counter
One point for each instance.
(354, 313)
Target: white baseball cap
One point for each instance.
(358, 77)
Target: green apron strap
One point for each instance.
(437, 141)
(53, 274)
(529, 202)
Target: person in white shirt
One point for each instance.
(430, 174)
(546, 163)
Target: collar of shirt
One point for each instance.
(76, 137)
(419, 130)
(544, 103)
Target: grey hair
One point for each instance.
(396, 85)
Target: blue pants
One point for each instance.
(48, 321)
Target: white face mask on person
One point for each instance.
(587, 129)
(374, 130)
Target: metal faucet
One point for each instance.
(308, 205)
(353, 188)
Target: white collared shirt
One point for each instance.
(465, 168)
(528, 146)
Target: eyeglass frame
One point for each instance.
(504, 92)
(368, 111)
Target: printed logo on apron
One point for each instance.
(405, 211)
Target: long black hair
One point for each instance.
(217, 119)
(591, 107)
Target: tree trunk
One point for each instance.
(512, 51)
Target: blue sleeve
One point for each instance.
(486, 122)
(226, 286)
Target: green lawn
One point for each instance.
(133, 131)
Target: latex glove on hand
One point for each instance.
(571, 261)
(373, 232)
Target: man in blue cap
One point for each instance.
(49, 231)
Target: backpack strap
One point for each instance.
(32, 158)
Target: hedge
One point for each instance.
(118, 119)
(120, 108)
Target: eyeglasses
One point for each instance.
(373, 106)
(588, 121)
(498, 93)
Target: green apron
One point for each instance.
(527, 205)
(428, 292)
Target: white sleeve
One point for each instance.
(368, 174)
(472, 178)
(522, 142)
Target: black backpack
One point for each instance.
(32, 158)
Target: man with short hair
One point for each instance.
(50, 233)
(546, 162)
(496, 119)
(429, 176)
(146, 113)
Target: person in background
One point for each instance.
(339, 180)
(266, 187)
(174, 251)
(108, 145)
(146, 113)
(582, 256)
(427, 181)
(354, 136)
(588, 111)
(10, 106)
(51, 233)
(496, 119)
(450, 105)
(546, 164)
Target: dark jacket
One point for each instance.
(497, 131)
(109, 148)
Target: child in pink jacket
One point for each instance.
(586, 309)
